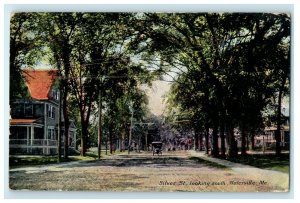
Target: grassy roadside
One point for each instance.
(35, 160)
(265, 161)
(21, 161)
(208, 163)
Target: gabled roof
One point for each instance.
(39, 82)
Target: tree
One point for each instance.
(25, 50)
(123, 98)
(58, 30)
(93, 56)
(227, 67)
(219, 49)
(100, 63)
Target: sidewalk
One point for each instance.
(234, 166)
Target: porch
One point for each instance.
(32, 146)
(30, 136)
(27, 136)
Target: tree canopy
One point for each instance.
(226, 69)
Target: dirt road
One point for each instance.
(174, 171)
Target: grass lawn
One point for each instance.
(20, 161)
(265, 161)
(208, 163)
(34, 160)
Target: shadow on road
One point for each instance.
(130, 161)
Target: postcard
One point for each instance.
(150, 101)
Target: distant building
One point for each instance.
(267, 139)
(34, 121)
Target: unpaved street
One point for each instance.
(174, 171)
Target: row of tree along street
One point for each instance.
(228, 70)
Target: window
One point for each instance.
(18, 132)
(71, 137)
(17, 110)
(22, 110)
(51, 111)
(28, 110)
(38, 133)
(51, 133)
(39, 110)
(55, 94)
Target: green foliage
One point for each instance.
(227, 68)
(25, 51)
(228, 65)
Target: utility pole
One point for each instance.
(100, 120)
(139, 148)
(146, 138)
(130, 131)
(59, 116)
(59, 126)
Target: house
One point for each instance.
(267, 138)
(34, 120)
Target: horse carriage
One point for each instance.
(157, 148)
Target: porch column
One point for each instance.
(48, 149)
(27, 137)
(32, 135)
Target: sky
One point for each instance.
(155, 94)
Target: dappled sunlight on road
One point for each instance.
(173, 171)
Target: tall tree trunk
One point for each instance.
(130, 133)
(84, 135)
(100, 120)
(243, 135)
(14, 63)
(66, 61)
(139, 145)
(200, 142)
(123, 134)
(222, 135)
(278, 124)
(121, 141)
(252, 139)
(206, 138)
(278, 119)
(110, 130)
(215, 142)
(247, 142)
(66, 123)
(106, 145)
(59, 127)
(232, 145)
(146, 140)
(196, 139)
(59, 120)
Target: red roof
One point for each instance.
(39, 82)
(21, 121)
